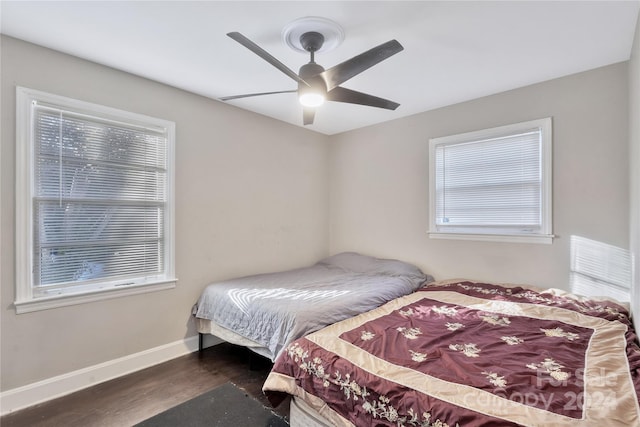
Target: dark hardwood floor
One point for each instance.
(135, 397)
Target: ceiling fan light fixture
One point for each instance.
(311, 99)
(313, 93)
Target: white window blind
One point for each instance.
(491, 182)
(100, 201)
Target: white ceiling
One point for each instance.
(454, 50)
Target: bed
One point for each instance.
(266, 312)
(464, 353)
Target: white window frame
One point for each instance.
(544, 235)
(25, 300)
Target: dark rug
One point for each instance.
(224, 406)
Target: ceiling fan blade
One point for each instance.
(308, 115)
(342, 72)
(228, 98)
(340, 94)
(265, 55)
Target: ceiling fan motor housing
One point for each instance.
(310, 73)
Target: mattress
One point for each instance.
(205, 326)
(302, 415)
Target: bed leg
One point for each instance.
(200, 343)
(253, 361)
(258, 362)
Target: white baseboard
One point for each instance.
(51, 388)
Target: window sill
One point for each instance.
(46, 303)
(509, 238)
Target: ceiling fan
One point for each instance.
(315, 84)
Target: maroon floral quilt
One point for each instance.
(461, 353)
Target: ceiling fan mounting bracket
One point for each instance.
(331, 32)
(312, 41)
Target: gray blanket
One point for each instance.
(276, 308)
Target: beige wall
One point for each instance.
(379, 180)
(251, 193)
(634, 144)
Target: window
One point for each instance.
(94, 202)
(493, 184)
